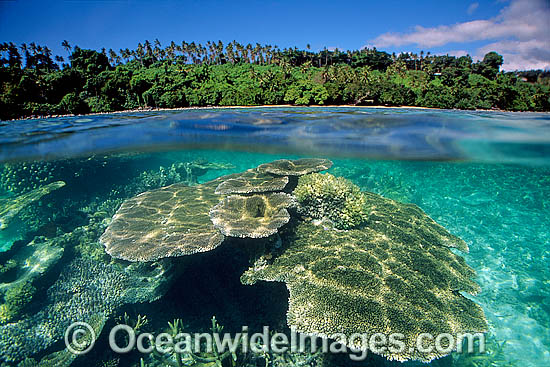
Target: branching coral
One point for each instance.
(15, 299)
(89, 291)
(186, 357)
(324, 196)
(23, 177)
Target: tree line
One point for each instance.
(33, 82)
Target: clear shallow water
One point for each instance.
(501, 209)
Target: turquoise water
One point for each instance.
(484, 176)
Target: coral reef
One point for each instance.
(9, 265)
(257, 355)
(324, 196)
(192, 358)
(493, 355)
(251, 181)
(20, 178)
(395, 275)
(256, 216)
(15, 299)
(35, 259)
(65, 358)
(175, 221)
(198, 167)
(171, 221)
(88, 291)
(10, 207)
(179, 172)
(392, 264)
(297, 167)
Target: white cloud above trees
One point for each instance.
(520, 32)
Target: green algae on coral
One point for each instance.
(324, 196)
(170, 221)
(385, 277)
(256, 216)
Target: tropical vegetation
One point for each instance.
(35, 83)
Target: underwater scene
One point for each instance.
(374, 236)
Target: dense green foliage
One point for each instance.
(234, 74)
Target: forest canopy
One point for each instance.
(35, 83)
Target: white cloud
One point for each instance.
(520, 32)
(472, 8)
(520, 55)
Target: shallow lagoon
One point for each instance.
(483, 176)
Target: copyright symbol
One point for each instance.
(79, 338)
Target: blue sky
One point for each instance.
(459, 26)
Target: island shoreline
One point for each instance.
(139, 110)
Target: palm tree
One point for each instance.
(230, 52)
(25, 50)
(157, 50)
(240, 50)
(220, 52)
(65, 44)
(114, 59)
(191, 49)
(183, 50)
(139, 53)
(125, 53)
(34, 48)
(258, 53)
(147, 48)
(170, 50)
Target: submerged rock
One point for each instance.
(394, 275)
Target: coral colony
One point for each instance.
(353, 261)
